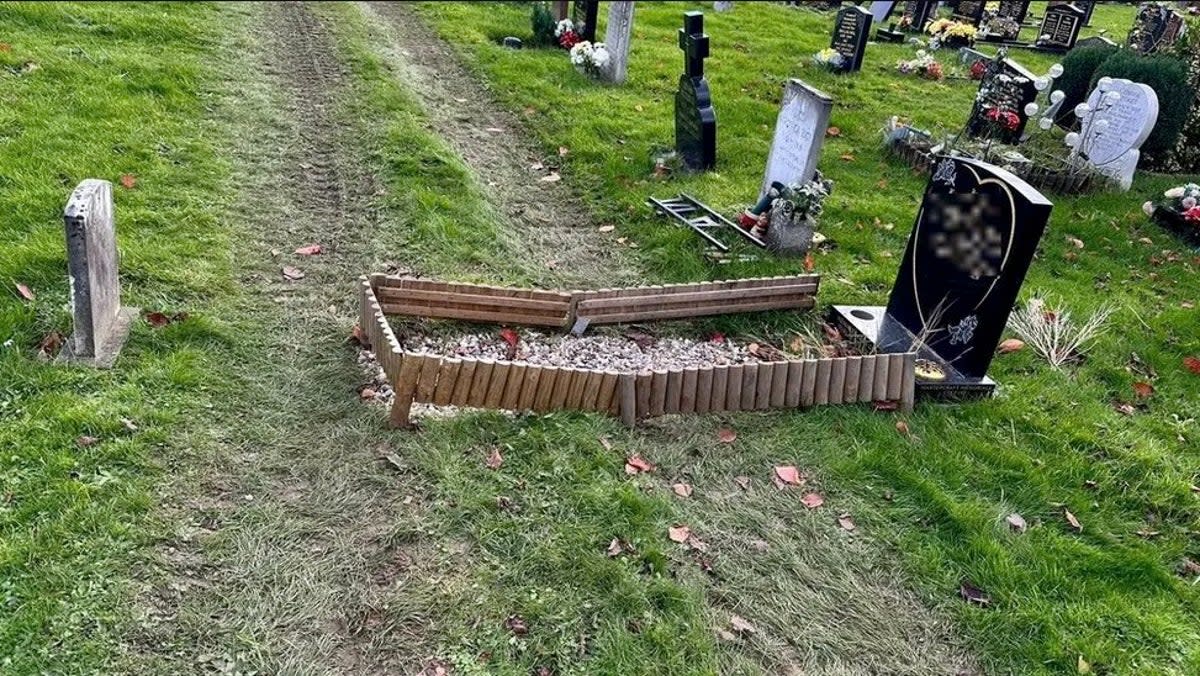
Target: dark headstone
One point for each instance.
(1004, 24)
(881, 10)
(101, 324)
(1154, 28)
(1010, 86)
(1088, 7)
(970, 11)
(915, 15)
(851, 29)
(1094, 41)
(512, 42)
(695, 119)
(1014, 9)
(584, 15)
(1060, 27)
(975, 237)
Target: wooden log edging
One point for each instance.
(519, 386)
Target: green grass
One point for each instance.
(1106, 594)
(96, 91)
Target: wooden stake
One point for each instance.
(881, 377)
(403, 390)
(749, 386)
(658, 392)
(704, 389)
(495, 390)
(462, 388)
(645, 380)
(479, 386)
(866, 388)
(733, 388)
(837, 380)
(687, 398)
(529, 388)
(908, 395)
(628, 397)
(674, 390)
(808, 393)
(795, 375)
(824, 372)
(720, 386)
(427, 383)
(512, 388)
(895, 376)
(446, 381)
(853, 376)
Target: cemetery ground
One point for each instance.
(224, 499)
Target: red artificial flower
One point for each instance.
(977, 70)
(568, 39)
(1192, 214)
(933, 71)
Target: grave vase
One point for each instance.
(789, 236)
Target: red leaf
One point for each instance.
(973, 594)
(128, 180)
(682, 489)
(25, 292)
(1073, 521)
(367, 394)
(847, 522)
(679, 534)
(789, 475)
(812, 500)
(636, 464)
(726, 435)
(292, 273)
(358, 336)
(157, 319)
(1192, 364)
(509, 336)
(716, 337)
(809, 263)
(1010, 345)
(1143, 390)
(309, 250)
(891, 405)
(494, 459)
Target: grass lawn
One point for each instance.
(1049, 442)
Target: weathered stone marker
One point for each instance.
(101, 324)
(799, 135)
(617, 37)
(695, 118)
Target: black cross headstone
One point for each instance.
(1060, 27)
(851, 29)
(1006, 87)
(916, 14)
(584, 15)
(695, 119)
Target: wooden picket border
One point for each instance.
(519, 386)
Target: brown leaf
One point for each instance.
(848, 157)
(562, 151)
(85, 441)
(636, 464)
(1010, 345)
(809, 263)
(726, 435)
(5, 47)
(847, 522)
(679, 534)
(789, 475)
(606, 443)
(833, 131)
(516, 624)
(129, 424)
(641, 338)
(494, 459)
(890, 405)
(357, 336)
(128, 180)
(1192, 364)
(1123, 408)
(367, 394)
(741, 625)
(902, 428)
(157, 319)
(552, 177)
(1073, 521)
(973, 594)
(812, 500)
(310, 250)
(682, 489)
(292, 273)
(1075, 242)
(25, 292)
(615, 548)
(1016, 522)
(1143, 389)
(697, 544)
(743, 482)
(50, 345)
(1189, 568)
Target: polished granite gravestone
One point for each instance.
(1014, 9)
(851, 29)
(1060, 28)
(915, 14)
(976, 233)
(695, 118)
(1112, 136)
(101, 325)
(585, 14)
(970, 11)
(799, 135)
(1013, 77)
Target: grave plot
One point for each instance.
(701, 382)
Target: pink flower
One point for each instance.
(1192, 214)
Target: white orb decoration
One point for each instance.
(1113, 97)
(1082, 110)
(1071, 139)
(1100, 125)
(1045, 123)
(1057, 96)
(1056, 70)
(1041, 83)
(1104, 81)
(1031, 109)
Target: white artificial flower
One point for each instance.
(1188, 202)
(1148, 207)
(1174, 193)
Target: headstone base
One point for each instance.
(869, 325)
(888, 35)
(106, 354)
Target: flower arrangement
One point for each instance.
(590, 59)
(565, 33)
(788, 225)
(1183, 200)
(950, 33)
(924, 65)
(978, 69)
(829, 58)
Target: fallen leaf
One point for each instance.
(726, 435)
(606, 443)
(1123, 408)
(1073, 521)
(128, 180)
(552, 177)
(636, 464)
(5, 47)
(848, 157)
(1187, 305)
(902, 428)
(129, 424)
(615, 548)
(973, 594)
(562, 151)
(357, 336)
(789, 475)
(682, 489)
(537, 166)
(292, 273)
(741, 625)
(1010, 345)
(809, 263)
(511, 338)
(679, 534)
(890, 405)
(1016, 522)
(726, 636)
(716, 337)
(812, 500)
(1143, 390)
(309, 250)
(641, 338)
(1192, 364)
(1075, 242)
(743, 482)
(494, 459)
(25, 292)
(85, 441)
(367, 394)
(1189, 568)
(638, 107)
(833, 131)
(606, 228)
(50, 345)
(157, 319)
(516, 624)
(697, 544)
(847, 522)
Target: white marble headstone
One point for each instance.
(799, 135)
(1112, 146)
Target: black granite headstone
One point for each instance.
(1155, 27)
(584, 15)
(1060, 27)
(1006, 86)
(1013, 9)
(695, 119)
(1088, 7)
(851, 29)
(916, 14)
(970, 11)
